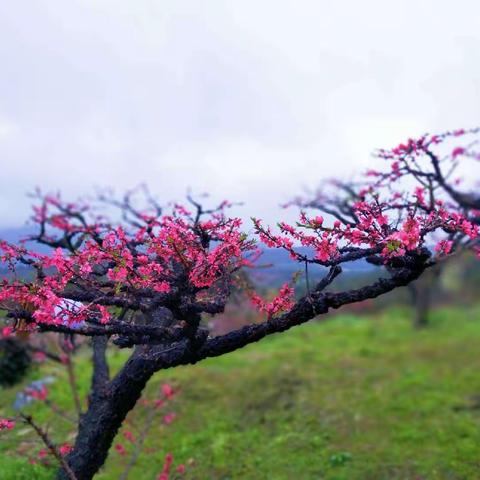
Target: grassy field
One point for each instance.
(351, 398)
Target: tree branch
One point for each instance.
(49, 444)
(101, 373)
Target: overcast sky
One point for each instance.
(248, 100)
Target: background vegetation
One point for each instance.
(356, 397)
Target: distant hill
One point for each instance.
(14, 235)
(276, 267)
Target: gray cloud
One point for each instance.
(248, 100)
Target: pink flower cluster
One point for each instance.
(149, 257)
(393, 211)
(6, 332)
(405, 239)
(284, 301)
(63, 449)
(417, 147)
(40, 393)
(6, 424)
(167, 466)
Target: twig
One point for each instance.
(59, 412)
(50, 445)
(73, 384)
(139, 444)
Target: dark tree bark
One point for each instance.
(421, 294)
(101, 372)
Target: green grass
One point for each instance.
(352, 398)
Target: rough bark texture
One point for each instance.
(101, 373)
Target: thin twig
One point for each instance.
(73, 384)
(50, 445)
(139, 445)
(59, 412)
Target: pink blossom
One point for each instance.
(282, 302)
(169, 418)
(6, 331)
(458, 151)
(65, 449)
(325, 250)
(6, 424)
(120, 449)
(165, 474)
(105, 315)
(42, 453)
(444, 247)
(37, 393)
(39, 357)
(167, 390)
(129, 436)
(420, 194)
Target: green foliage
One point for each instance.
(339, 459)
(20, 469)
(349, 399)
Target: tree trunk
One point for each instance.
(421, 305)
(110, 401)
(421, 292)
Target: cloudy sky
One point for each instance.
(248, 100)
